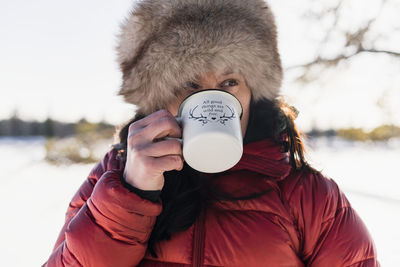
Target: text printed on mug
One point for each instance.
(212, 111)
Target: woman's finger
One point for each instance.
(167, 163)
(164, 126)
(161, 148)
(142, 123)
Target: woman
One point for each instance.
(142, 205)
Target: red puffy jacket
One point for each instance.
(305, 220)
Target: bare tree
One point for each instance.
(357, 41)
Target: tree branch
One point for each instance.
(330, 62)
(392, 53)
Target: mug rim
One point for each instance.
(202, 91)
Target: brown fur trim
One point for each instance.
(166, 43)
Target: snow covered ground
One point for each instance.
(34, 195)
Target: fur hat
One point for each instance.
(164, 44)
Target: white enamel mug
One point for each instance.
(211, 131)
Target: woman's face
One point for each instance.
(229, 81)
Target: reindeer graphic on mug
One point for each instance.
(215, 113)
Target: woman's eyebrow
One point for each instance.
(227, 72)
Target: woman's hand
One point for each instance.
(149, 155)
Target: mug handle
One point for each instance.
(179, 121)
(179, 139)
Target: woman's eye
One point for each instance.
(229, 83)
(192, 85)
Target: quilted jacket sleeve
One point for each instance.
(330, 231)
(106, 224)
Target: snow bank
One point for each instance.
(34, 195)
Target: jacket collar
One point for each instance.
(265, 157)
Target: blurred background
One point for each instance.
(59, 107)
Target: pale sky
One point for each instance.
(57, 59)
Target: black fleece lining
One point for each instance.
(151, 195)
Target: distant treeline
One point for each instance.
(50, 128)
(380, 133)
(53, 128)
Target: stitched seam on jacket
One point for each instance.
(260, 211)
(117, 222)
(72, 254)
(340, 210)
(289, 209)
(293, 222)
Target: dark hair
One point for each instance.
(187, 192)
